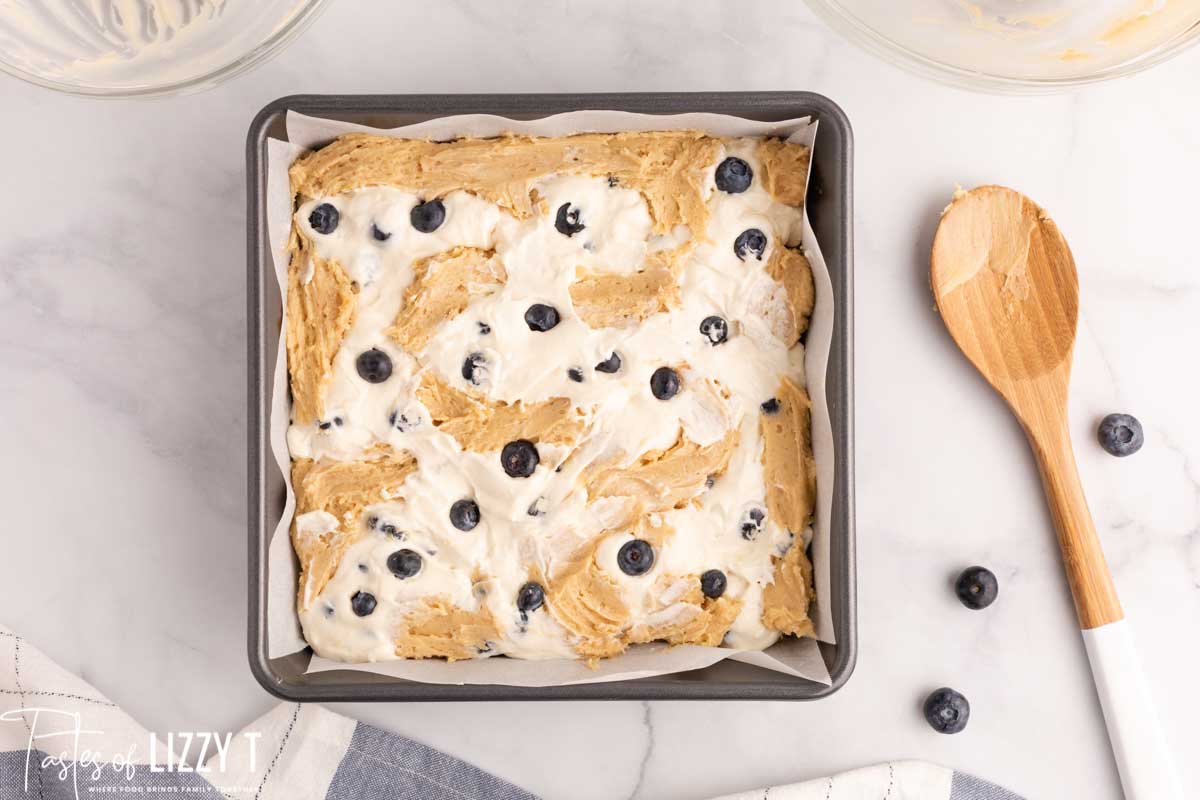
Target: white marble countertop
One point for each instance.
(122, 357)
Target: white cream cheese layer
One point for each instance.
(535, 525)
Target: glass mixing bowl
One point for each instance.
(143, 47)
(1018, 45)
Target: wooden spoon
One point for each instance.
(1005, 285)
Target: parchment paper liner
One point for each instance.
(798, 657)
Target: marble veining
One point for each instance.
(122, 362)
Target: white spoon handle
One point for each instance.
(1141, 751)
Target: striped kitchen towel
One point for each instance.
(60, 739)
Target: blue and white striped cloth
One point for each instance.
(60, 739)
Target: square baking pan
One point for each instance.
(830, 211)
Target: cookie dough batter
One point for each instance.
(548, 395)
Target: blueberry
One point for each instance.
(530, 597)
(324, 218)
(363, 603)
(404, 563)
(575, 374)
(712, 583)
(379, 235)
(750, 241)
(664, 383)
(484, 329)
(374, 365)
(567, 221)
(976, 587)
(474, 368)
(519, 458)
(752, 523)
(715, 329)
(734, 175)
(402, 422)
(428, 217)
(1121, 434)
(947, 711)
(770, 406)
(464, 514)
(635, 557)
(609, 365)
(540, 317)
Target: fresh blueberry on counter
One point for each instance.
(610, 365)
(1121, 434)
(664, 383)
(567, 221)
(519, 458)
(374, 365)
(635, 557)
(752, 523)
(715, 329)
(750, 241)
(474, 368)
(428, 217)
(770, 406)
(464, 514)
(404, 563)
(712, 583)
(324, 218)
(530, 597)
(947, 711)
(575, 374)
(541, 317)
(363, 603)
(734, 176)
(977, 587)
(378, 235)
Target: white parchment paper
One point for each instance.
(797, 657)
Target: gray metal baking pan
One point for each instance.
(830, 209)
